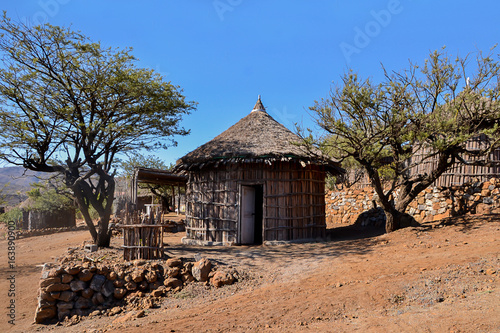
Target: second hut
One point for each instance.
(253, 184)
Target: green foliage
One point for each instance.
(47, 199)
(412, 117)
(69, 105)
(14, 214)
(136, 160)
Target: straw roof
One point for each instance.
(255, 138)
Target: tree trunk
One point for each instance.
(392, 220)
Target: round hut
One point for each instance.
(253, 184)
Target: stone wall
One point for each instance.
(349, 205)
(95, 289)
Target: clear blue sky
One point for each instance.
(224, 53)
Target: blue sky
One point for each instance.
(224, 53)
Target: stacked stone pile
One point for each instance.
(81, 290)
(345, 205)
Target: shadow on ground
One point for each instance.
(340, 241)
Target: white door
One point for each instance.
(247, 221)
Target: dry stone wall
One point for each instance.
(94, 289)
(349, 205)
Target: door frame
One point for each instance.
(257, 185)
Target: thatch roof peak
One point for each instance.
(259, 106)
(255, 138)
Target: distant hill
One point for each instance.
(15, 182)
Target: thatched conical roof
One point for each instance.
(255, 138)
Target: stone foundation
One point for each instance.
(349, 205)
(94, 288)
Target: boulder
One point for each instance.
(222, 278)
(87, 293)
(174, 262)
(77, 285)
(108, 289)
(97, 282)
(66, 278)
(58, 287)
(201, 269)
(85, 275)
(172, 283)
(48, 281)
(66, 296)
(44, 313)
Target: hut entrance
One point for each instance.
(251, 200)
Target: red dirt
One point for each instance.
(434, 278)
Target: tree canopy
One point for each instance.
(420, 114)
(69, 105)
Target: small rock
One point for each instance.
(66, 296)
(58, 287)
(49, 281)
(85, 275)
(66, 278)
(87, 293)
(119, 293)
(114, 311)
(172, 283)
(77, 285)
(174, 262)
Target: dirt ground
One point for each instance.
(440, 277)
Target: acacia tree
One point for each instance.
(411, 117)
(71, 106)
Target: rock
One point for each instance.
(201, 269)
(107, 289)
(97, 282)
(119, 293)
(112, 276)
(131, 285)
(174, 262)
(490, 271)
(187, 278)
(55, 294)
(143, 285)
(118, 283)
(129, 316)
(173, 272)
(172, 283)
(64, 306)
(73, 270)
(222, 278)
(114, 311)
(66, 296)
(85, 275)
(98, 298)
(61, 315)
(87, 293)
(137, 275)
(45, 313)
(157, 292)
(48, 281)
(66, 278)
(77, 285)
(151, 276)
(58, 287)
(46, 296)
(83, 303)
